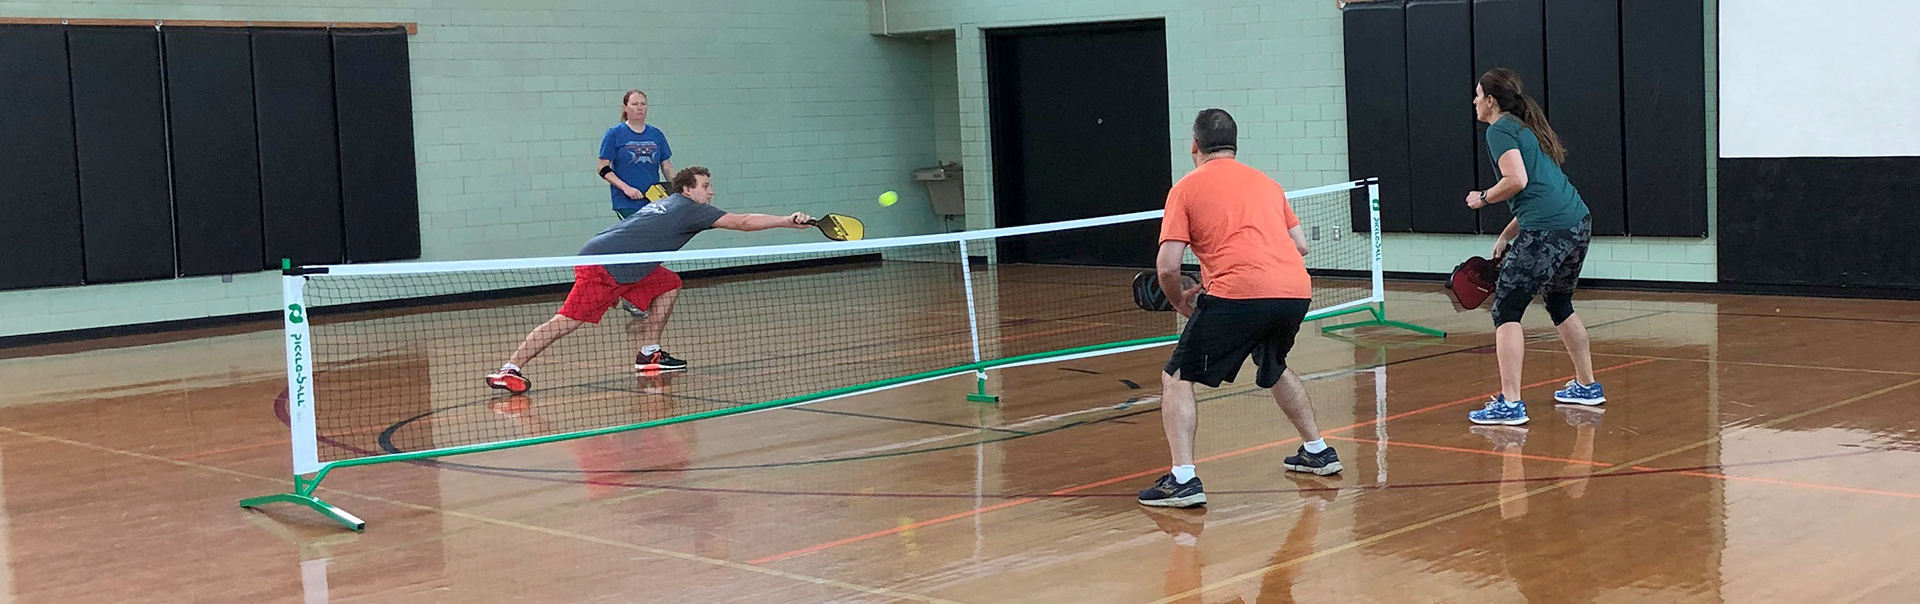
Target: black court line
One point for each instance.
(510, 471)
(907, 420)
(802, 407)
(1107, 495)
(1720, 313)
(961, 333)
(1594, 326)
(531, 473)
(1818, 318)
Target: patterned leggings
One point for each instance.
(1538, 260)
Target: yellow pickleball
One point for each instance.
(887, 198)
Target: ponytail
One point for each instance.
(1504, 86)
(1536, 120)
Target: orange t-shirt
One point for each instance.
(1236, 219)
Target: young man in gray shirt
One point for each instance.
(662, 226)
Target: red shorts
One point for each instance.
(595, 291)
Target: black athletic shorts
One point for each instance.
(1223, 332)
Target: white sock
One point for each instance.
(1316, 446)
(1183, 474)
(509, 366)
(649, 349)
(1186, 539)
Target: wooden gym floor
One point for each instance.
(1754, 449)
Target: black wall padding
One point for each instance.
(1510, 34)
(1583, 70)
(1664, 84)
(380, 196)
(39, 190)
(120, 129)
(216, 165)
(1376, 61)
(1442, 139)
(299, 152)
(1824, 222)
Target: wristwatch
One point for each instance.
(1483, 197)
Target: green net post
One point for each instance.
(1378, 308)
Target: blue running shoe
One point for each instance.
(1500, 412)
(1166, 493)
(1578, 394)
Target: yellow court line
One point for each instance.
(1508, 499)
(665, 553)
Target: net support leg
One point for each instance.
(1378, 312)
(325, 509)
(303, 495)
(979, 395)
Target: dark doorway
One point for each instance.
(1079, 124)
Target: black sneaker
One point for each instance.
(658, 361)
(1319, 464)
(1169, 494)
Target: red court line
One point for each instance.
(1235, 453)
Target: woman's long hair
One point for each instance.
(1504, 86)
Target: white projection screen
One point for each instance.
(1819, 78)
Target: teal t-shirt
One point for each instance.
(1548, 202)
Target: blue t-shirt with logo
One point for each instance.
(636, 158)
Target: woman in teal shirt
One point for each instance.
(1541, 249)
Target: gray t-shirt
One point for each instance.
(662, 226)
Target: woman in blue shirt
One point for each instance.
(635, 162)
(1541, 249)
(634, 156)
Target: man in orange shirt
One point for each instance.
(1254, 275)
